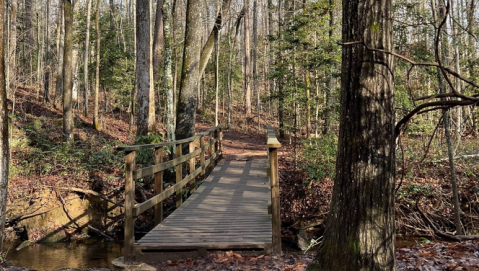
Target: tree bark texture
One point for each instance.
(187, 99)
(96, 91)
(360, 227)
(29, 34)
(158, 40)
(13, 46)
(85, 59)
(143, 65)
(68, 73)
(60, 51)
(168, 70)
(4, 146)
(46, 84)
(247, 60)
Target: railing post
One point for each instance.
(158, 186)
(212, 148)
(275, 205)
(273, 145)
(129, 204)
(179, 196)
(202, 155)
(220, 142)
(192, 167)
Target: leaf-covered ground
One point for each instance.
(304, 203)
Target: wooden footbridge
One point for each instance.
(235, 208)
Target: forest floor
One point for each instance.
(304, 202)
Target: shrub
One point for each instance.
(320, 157)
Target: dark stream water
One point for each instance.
(76, 254)
(89, 253)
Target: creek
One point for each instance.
(90, 253)
(78, 254)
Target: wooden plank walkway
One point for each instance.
(228, 211)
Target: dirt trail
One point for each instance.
(241, 146)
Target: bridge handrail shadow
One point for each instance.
(213, 147)
(274, 203)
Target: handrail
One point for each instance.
(273, 145)
(164, 144)
(214, 149)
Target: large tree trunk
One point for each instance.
(168, 69)
(158, 40)
(359, 231)
(85, 59)
(187, 99)
(60, 51)
(96, 91)
(143, 65)
(68, 73)
(4, 147)
(247, 60)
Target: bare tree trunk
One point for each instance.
(329, 101)
(168, 68)
(85, 59)
(231, 44)
(134, 92)
(271, 55)
(217, 76)
(60, 49)
(255, 71)
(151, 100)
(39, 70)
(187, 99)
(308, 103)
(447, 125)
(280, 81)
(11, 75)
(68, 73)
(46, 84)
(4, 146)
(143, 65)
(247, 60)
(208, 48)
(29, 40)
(158, 40)
(96, 91)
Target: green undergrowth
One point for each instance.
(320, 156)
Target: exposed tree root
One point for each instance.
(88, 192)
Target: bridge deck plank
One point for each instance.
(229, 210)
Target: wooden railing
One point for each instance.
(213, 147)
(274, 206)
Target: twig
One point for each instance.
(100, 233)
(457, 238)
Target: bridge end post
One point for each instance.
(129, 204)
(273, 146)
